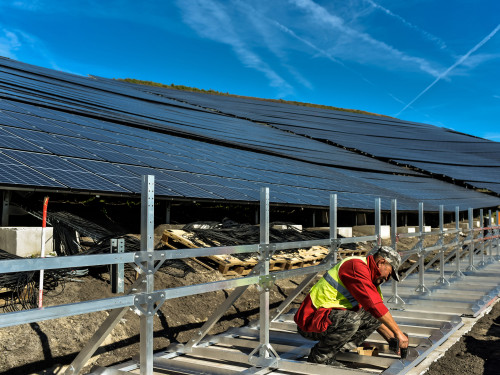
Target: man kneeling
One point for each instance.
(345, 306)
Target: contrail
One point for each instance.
(458, 62)
(428, 35)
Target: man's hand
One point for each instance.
(402, 339)
(397, 346)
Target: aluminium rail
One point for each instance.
(270, 345)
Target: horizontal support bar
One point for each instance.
(300, 244)
(189, 290)
(54, 312)
(73, 261)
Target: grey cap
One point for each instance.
(392, 257)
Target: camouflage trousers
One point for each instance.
(347, 327)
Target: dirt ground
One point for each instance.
(476, 353)
(45, 347)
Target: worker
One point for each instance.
(345, 306)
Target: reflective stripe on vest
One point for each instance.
(342, 289)
(330, 292)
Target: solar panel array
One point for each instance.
(433, 149)
(62, 132)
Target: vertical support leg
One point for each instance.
(395, 298)
(147, 246)
(458, 272)
(421, 288)
(470, 237)
(378, 221)
(333, 227)
(482, 262)
(442, 279)
(6, 208)
(117, 270)
(264, 295)
(267, 357)
(490, 238)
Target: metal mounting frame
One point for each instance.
(265, 356)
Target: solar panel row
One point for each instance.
(387, 138)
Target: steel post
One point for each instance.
(470, 238)
(147, 247)
(480, 237)
(442, 279)
(489, 234)
(333, 227)
(266, 356)
(395, 298)
(458, 272)
(117, 270)
(377, 221)
(421, 288)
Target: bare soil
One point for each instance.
(46, 347)
(477, 353)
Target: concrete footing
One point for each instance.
(25, 241)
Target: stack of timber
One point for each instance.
(232, 266)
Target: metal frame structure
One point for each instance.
(414, 304)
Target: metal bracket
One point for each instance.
(267, 356)
(266, 282)
(149, 300)
(141, 267)
(266, 251)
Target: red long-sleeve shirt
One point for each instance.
(357, 276)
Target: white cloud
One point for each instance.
(211, 20)
(361, 47)
(9, 43)
(15, 44)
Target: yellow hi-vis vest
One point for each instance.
(329, 292)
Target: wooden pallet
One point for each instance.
(225, 264)
(230, 265)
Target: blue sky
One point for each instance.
(430, 61)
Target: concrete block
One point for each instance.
(26, 241)
(342, 231)
(407, 229)
(369, 230)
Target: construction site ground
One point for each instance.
(48, 346)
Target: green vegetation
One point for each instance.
(214, 92)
